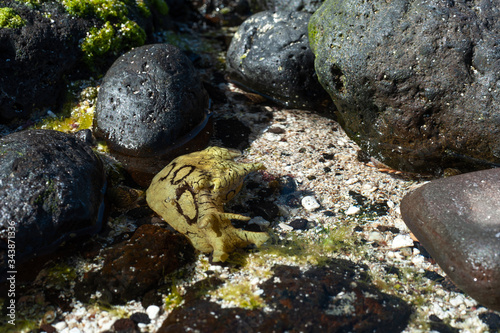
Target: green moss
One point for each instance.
(10, 19)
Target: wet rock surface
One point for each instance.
(336, 297)
(151, 107)
(52, 188)
(270, 55)
(34, 58)
(415, 82)
(138, 265)
(457, 219)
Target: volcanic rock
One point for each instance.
(270, 55)
(51, 189)
(151, 107)
(416, 83)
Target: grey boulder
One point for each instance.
(416, 83)
(270, 55)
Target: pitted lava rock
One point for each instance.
(416, 83)
(51, 189)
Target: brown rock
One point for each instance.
(457, 219)
(135, 266)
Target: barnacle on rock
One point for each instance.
(190, 192)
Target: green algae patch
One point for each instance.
(112, 38)
(317, 248)
(10, 19)
(77, 113)
(102, 9)
(60, 276)
(173, 298)
(241, 294)
(119, 32)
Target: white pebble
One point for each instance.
(418, 260)
(353, 210)
(272, 137)
(456, 301)
(259, 220)
(60, 326)
(352, 181)
(309, 203)
(75, 330)
(375, 236)
(153, 312)
(285, 227)
(402, 241)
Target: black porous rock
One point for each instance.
(35, 57)
(416, 83)
(125, 325)
(457, 220)
(333, 298)
(491, 319)
(138, 265)
(151, 108)
(309, 6)
(270, 55)
(51, 189)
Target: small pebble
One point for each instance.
(140, 317)
(287, 185)
(299, 224)
(375, 236)
(260, 221)
(153, 312)
(353, 210)
(352, 181)
(60, 326)
(276, 130)
(285, 227)
(456, 301)
(401, 241)
(310, 203)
